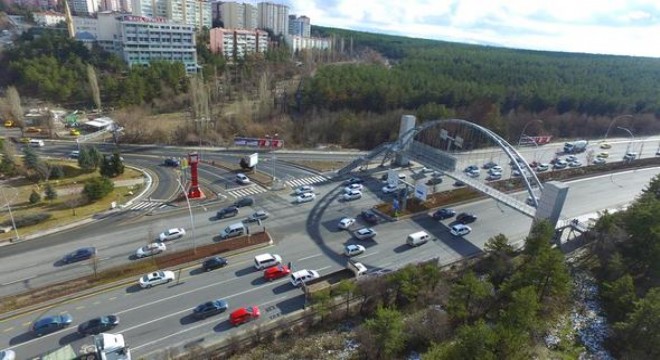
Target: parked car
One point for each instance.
(7, 354)
(571, 158)
(495, 169)
(494, 176)
(560, 164)
(388, 189)
(80, 255)
(599, 161)
(156, 278)
(227, 212)
(244, 201)
(466, 218)
(346, 223)
(172, 234)
(213, 263)
(243, 315)
(365, 234)
(630, 156)
(443, 214)
(460, 230)
(352, 195)
(304, 189)
(51, 323)
(98, 325)
(470, 168)
(242, 179)
(489, 165)
(150, 250)
(352, 250)
(171, 162)
(605, 146)
(210, 308)
(354, 180)
(575, 163)
(542, 167)
(257, 216)
(306, 197)
(276, 272)
(459, 183)
(369, 217)
(473, 173)
(434, 181)
(353, 187)
(603, 154)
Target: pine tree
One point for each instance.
(51, 193)
(34, 197)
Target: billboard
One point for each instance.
(392, 178)
(253, 160)
(258, 142)
(421, 191)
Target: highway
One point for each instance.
(306, 235)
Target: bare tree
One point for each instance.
(50, 123)
(15, 108)
(94, 85)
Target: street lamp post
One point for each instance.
(522, 133)
(11, 215)
(632, 138)
(192, 221)
(612, 123)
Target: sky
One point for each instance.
(618, 27)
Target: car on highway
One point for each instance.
(303, 276)
(388, 189)
(304, 189)
(603, 154)
(605, 146)
(150, 250)
(74, 132)
(32, 129)
(489, 165)
(244, 201)
(242, 179)
(227, 212)
(156, 278)
(460, 230)
(213, 263)
(352, 250)
(352, 195)
(171, 162)
(210, 308)
(369, 217)
(51, 323)
(172, 234)
(630, 156)
(7, 355)
(9, 123)
(276, 272)
(98, 325)
(80, 255)
(346, 223)
(466, 218)
(353, 187)
(542, 167)
(74, 154)
(24, 140)
(306, 197)
(257, 216)
(244, 315)
(599, 161)
(444, 213)
(365, 234)
(354, 180)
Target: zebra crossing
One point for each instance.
(306, 181)
(146, 205)
(246, 191)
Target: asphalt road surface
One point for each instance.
(306, 235)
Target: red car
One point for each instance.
(276, 272)
(243, 315)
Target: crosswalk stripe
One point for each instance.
(256, 189)
(144, 205)
(306, 181)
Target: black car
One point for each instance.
(98, 325)
(465, 218)
(244, 201)
(226, 212)
(49, 324)
(171, 162)
(210, 308)
(79, 255)
(354, 180)
(459, 183)
(443, 214)
(214, 263)
(434, 181)
(489, 165)
(369, 217)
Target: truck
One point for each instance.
(353, 270)
(103, 346)
(575, 147)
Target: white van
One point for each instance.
(418, 238)
(36, 143)
(233, 230)
(264, 261)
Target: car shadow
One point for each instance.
(133, 257)
(214, 218)
(69, 338)
(134, 289)
(258, 281)
(291, 304)
(223, 326)
(188, 319)
(217, 238)
(196, 271)
(402, 248)
(280, 289)
(59, 263)
(245, 271)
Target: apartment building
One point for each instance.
(110, 5)
(274, 17)
(190, 12)
(235, 15)
(84, 7)
(48, 18)
(297, 43)
(236, 43)
(300, 26)
(86, 29)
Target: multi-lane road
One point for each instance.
(306, 235)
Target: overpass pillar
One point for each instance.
(408, 122)
(552, 202)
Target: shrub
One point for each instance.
(28, 220)
(34, 197)
(97, 188)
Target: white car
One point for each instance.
(303, 276)
(242, 179)
(352, 195)
(7, 355)
(150, 250)
(542, 167)
(346, 223)
(306, 197)
(630, 156)
(304, 189)
(171, 234)
(353, 187)
(460, 230)
(495, 169)
(599, 161)
(473, 173)
(390, 189)
(156, 278)
(257, 215)
(352, 250)
(365, 233)
(575, 163)
(571, 158)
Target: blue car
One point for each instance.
(210, 308)
(98, 325)
(49, 324)
(443, 214)
(80, 254)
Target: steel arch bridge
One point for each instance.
(442, 145)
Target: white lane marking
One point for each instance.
(613, 174)
(309, 257)
(366, 255)
(17, 281)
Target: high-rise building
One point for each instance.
(84, 7)
(300, 26)
(235, 15)
(236, 43)
(126, 6)
(274, 17)
(190, 12)
(109, 5)
(48, 18)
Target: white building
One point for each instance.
(300, 26)
(110, 5)
(190, 12)
(274, 17)
(298, 43)
(236, 43)
(86, 29)
(235, 15)
(48, 18)
(84, 7)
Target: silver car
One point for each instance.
(365, 233)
